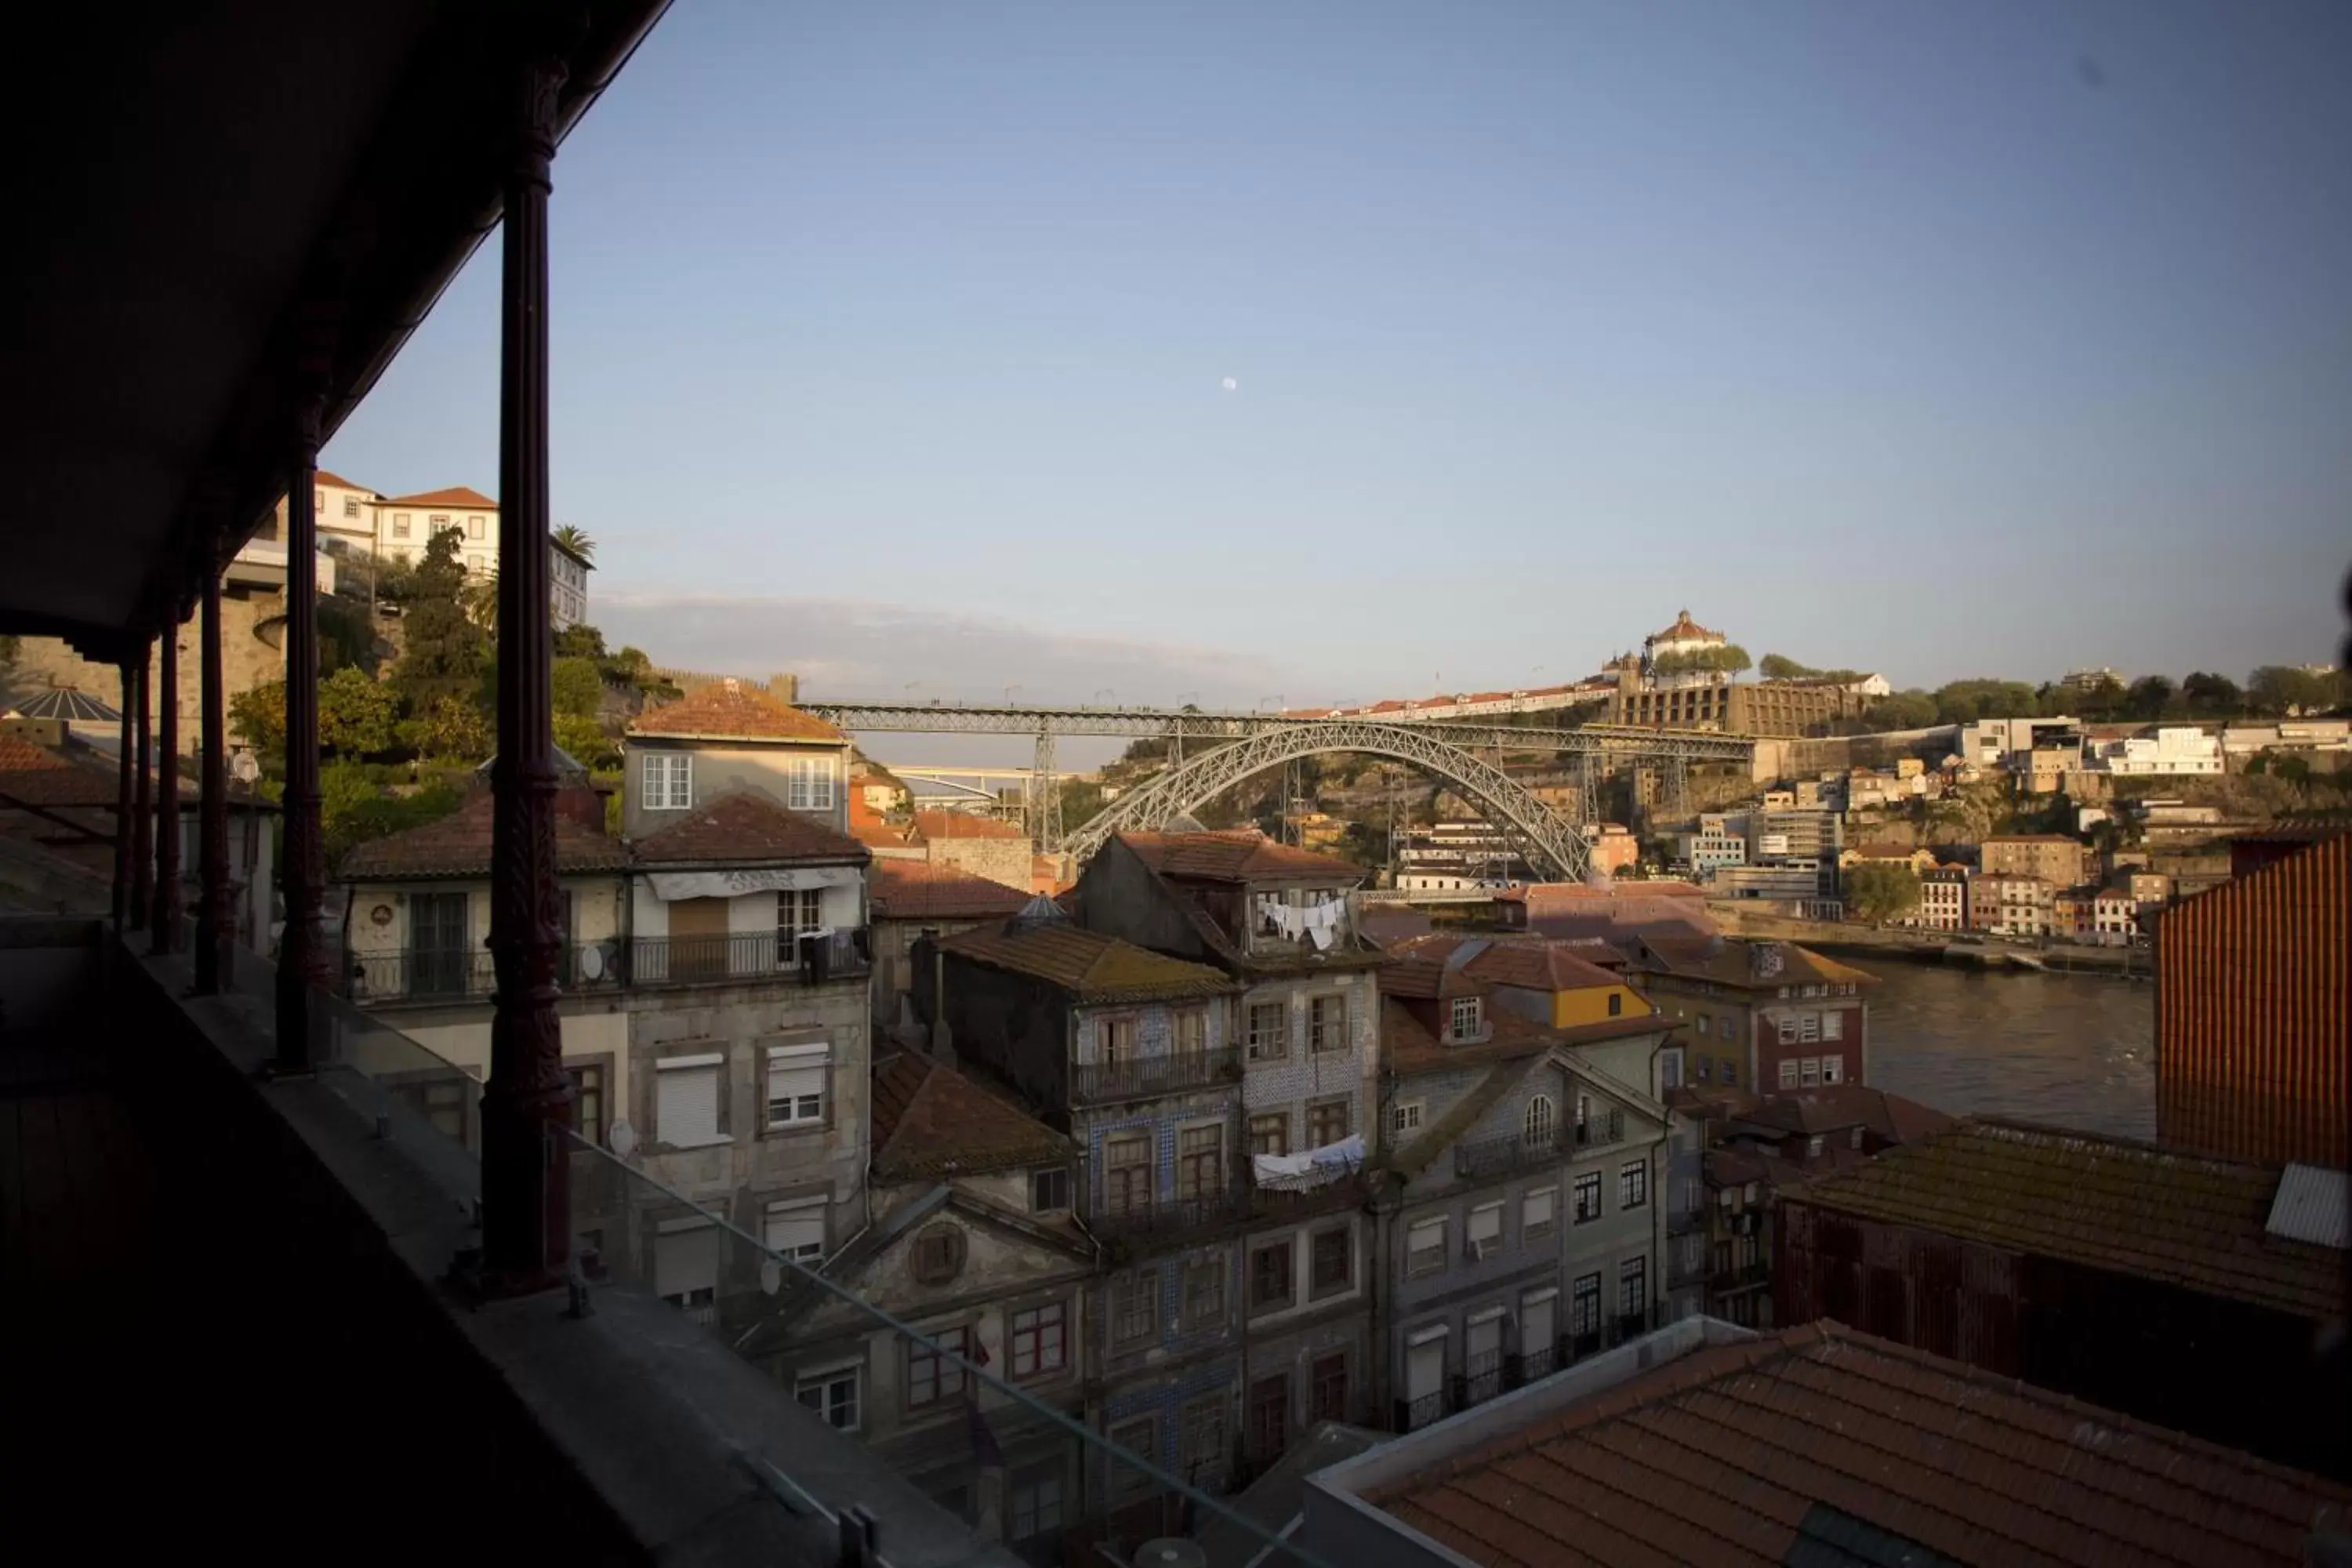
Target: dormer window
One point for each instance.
(1469, 1016)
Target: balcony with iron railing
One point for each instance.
(431, 974)
(1601, 1130)
(1143, 1077)
(1502, 1156)
(1167, 1216)
(814, 958)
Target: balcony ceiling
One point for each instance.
(198, 197)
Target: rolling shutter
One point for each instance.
(686, 1109)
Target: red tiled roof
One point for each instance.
(459, 497)
(1531, 963)
(340, 483)
(1685, 629)
(2108, 1203)
(931, 1121)
(19, 756)
(2031, 838)
(747, 825)
(1580, 894)
(929, 890)
(1242, 855)
(1088, 965)
(1733, 964)
(1833, 1107)
(458, 845)
(731, 711)
(942, 823)
(1409, 1046)
(1823, 1444)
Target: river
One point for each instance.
(2073, 1050)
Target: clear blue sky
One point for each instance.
(1941, 338)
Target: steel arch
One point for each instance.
(1544, 837)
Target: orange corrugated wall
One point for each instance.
(2254, 1013)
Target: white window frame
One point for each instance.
(1060, 1335)
(715, 1064)
(800, 1108)
(1482, 1233)
(1808, 1027)
(1788, 1072)
(1809, 1072)
(796, 1211)
(1788, 1026)
(1833, 1070)
(1405, 1116)
(1539, 1124)
(1470, 1007)
(822, 1382)
(667, 781)
(1833, 1024)
(1424, 1257)
(1539, 1213)
(809, 783)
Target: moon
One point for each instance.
(1232, 385)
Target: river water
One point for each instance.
(2074, 1050)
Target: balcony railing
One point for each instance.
(1481, 1378)
(1140, 1078)
(1601, 1130)
(815, 957)
(1170, 1215)
(425, 974)
(1411, 1415)
(1511, 1152)
(1740, 1279)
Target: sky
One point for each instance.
(1327, 351)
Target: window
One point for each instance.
(588, 1101)
(796, 912)
(1467, 1013)
(1616, 1004)
(1040, 1342)
(798, 1079)
(1788, 1072)
(473, 527)
(931, 1375)
(1707, 1069)
(669, 780)
(1809, 1026)
(1331, 1262)
(1854, 1138)
(1788, 1031)
(1201, 1162)
(1118, 1035)
(1127, 1174)
(1204, 1431)
(1809, 1072)
(1424, 1246)
(939, 1253)
(400, 525)
(1204, 1292)
(1269, 1031)
(1634, 1287)
(685, 1264)
(1730, 1071)
(1633, 1184)
(1670, 1068)
(477, 563)
(1192, 1032)
(1327, 1024)
(1270, 1133)
(1037, 1502)
(351, 505)
(1813, 1147)
(1270, 1276)
(1405, 1117)
(1327, 1123)
(1537, 1212)
(832, 1394)
(1702, 1025)
(1484, 1234)
(1134, 1307)
(1141, 1439)
(1584, 1305)
(1049, 1190)
(686, 1100)
(1269, 1407)
(808, 783)
(1587, 1197)
(1834, 1026)
(1329, 1386)
(794, 1228)
(435, 523)
(1832, 1070)
(1539, 1128)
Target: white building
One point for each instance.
(2173, 749)
(398, 528)
(1989, 741)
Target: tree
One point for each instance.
(1880, 890)
(346, 635)
(585, 742)
(580, 640)
(2281, 690)
(480, 597)
(2148, 697)
(1912, 710)
(356, 713)
(1965, 701)
(449, 726)
(1781, 667)
(2212, 696)
(259, 715)
(1728, 660)
(2103, 699)
(445, 649)
(578, 689)
(576, 541)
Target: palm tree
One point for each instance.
(576, 541)
(479, 597)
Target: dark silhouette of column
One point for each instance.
(164, 936)
(215, 923)
(526, 1198)
(143, 800)
(124, 801)
(303, 962)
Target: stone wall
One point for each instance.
(252, 653)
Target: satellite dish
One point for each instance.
(622, 1138)
(592, 963)
(244, 767)
(772, 1276)
(1167, 1553)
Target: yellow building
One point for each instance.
(1543, 978)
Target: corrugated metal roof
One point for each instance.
(2310, 1207)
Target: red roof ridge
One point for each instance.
(449, 496)
(748, 825)
(729, 710)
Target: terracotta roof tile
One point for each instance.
(458, 845)
(725, 710)
(929, 890)
(1834, 1107)
(2108, 1203)
(931, 1121)
(1799, 1446)
(1409, 1046)
(458, 496)
(1246, 856)
(1685, 629)
(340, 483)
(1088, 965)
(747, 825)
(1732, 963)
(941, 823)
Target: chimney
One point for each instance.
(583, 803)
(1765, 959)
(784, 687)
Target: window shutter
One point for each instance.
(795, 1225)
(686, 1259)
(685, 1108)
(1536, 1320)
(795, 1073)
(1538, 1212)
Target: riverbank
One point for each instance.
(1845, 940)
